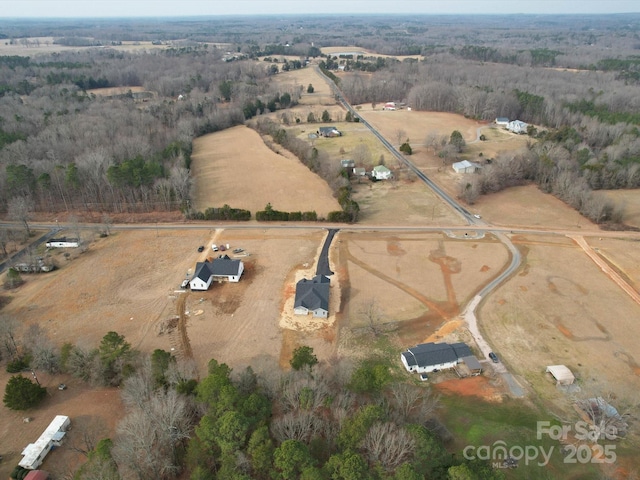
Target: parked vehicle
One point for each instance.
(214, 247)
(424, 377)
(493, 357)
(201, 248)
(185, 283)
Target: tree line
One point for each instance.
(337, 420)
(66, 149)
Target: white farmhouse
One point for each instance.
(517, 126)
(381, 172)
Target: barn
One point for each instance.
(465, 166)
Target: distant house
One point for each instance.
(220, 269)
(63, 242)
(312, 296)
(381, 172)
(502, 121)
(428, 357)
(465, 166)
(517, 126)
(34, 453)
(389, 106)
(329, 132)
(347, 163)
(359, 171)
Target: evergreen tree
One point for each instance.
(22, 394)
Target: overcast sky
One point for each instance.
(172, 8)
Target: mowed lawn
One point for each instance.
(236, 168)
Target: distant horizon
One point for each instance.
(266, 15)
(143, 9)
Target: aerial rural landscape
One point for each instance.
(320, 247)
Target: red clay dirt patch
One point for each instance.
(473, 386)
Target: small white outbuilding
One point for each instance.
(562, 374)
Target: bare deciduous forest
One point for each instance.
(67, 149)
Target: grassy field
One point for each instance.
(477, 423)
(229, 164)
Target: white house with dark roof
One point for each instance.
(428, 357)
(221, 269)
(329, 132)
(312, 296)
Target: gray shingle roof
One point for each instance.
(428, 354)
(224, 266)
(313, 294)
(202, 271)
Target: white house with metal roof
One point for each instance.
(517, 126)
(380, 172)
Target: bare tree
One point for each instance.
(44, 355)
(4, 241)
(372, 314)
(301, 391)
(400, 136)
(8, 328)
(89, 431)
(107, 222)
(299, 425)
(147, 438)
(413, 404)
(20, 209)
(388, 444)
(607, 412)
(138, 389)
(361, 155)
